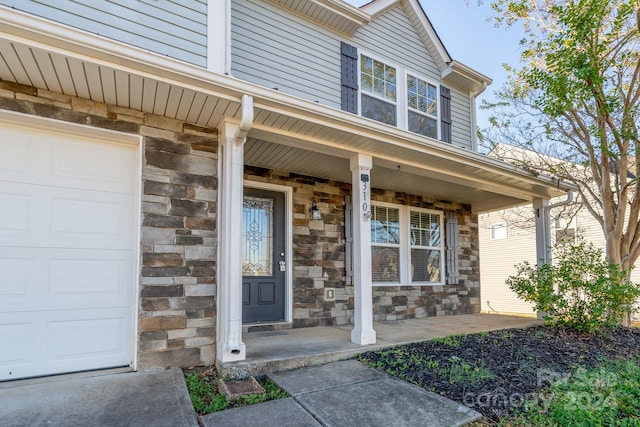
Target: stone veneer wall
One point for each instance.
(407, 302)
(179, 192)
(318, 248)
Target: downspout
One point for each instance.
(246, 118)
(474, 116)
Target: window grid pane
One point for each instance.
(378, 78)
(423, 96)
(425, 229)
(385, 225)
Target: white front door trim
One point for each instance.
(288, 202)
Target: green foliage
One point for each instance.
(449, 341)
(461, 371)
(580, 290)
(206, 399)
(604, 396)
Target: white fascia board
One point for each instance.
(50, 36)
(475, 81)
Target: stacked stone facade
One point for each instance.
(319, 257)
(178, 236)
(177, 288)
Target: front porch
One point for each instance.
(281, 350)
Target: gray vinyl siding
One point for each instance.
(175, 28)
(461, 129)
(277, 49)
(392, 37)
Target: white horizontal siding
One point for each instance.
(497, 262)
(175, 28)
(277, 49)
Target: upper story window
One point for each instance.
(396, 97)
(377, 89)
(378, 85)
(422, 102)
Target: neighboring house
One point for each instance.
(174, 173)
(508, 238)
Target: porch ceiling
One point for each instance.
(288, 133)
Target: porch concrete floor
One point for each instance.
(281, 350)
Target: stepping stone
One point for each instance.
(234, 390)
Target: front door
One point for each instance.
(263, 256)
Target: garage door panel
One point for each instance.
(22, 154)
(98, 334)
(36, 279)
(40, 216)
(17, 279)
(91, 222)
(84, 278)
(17, 215)
(77, 164)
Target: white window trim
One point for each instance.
(405, 245)
(401, 103)
(503, 224)
(406, 103)
(401, 85)
(440, 248)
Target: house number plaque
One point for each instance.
(364, 179)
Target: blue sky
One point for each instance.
(471, 39)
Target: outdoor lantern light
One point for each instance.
(315, 211)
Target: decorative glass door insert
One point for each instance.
(257, 252)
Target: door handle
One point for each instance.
(283, 266)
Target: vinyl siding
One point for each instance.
(277, 49)
(175, 28)
(497, 262)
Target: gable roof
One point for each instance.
(340, 16)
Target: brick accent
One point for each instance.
(179, 192)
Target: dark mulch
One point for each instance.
(502, 367)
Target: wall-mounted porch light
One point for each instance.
(315, 211)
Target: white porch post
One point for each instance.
(543, 236)
(543, 230)
(363, 332)
(229, 317)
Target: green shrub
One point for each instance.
(579, 290)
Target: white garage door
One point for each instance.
(67, 250)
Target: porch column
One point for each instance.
(543, 230)
(229, 317)
(543, 236)
(363, 332)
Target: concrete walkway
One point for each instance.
(346, 394)
(118, 399)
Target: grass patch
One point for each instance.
(605, 396)
(202, 384)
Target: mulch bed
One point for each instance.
(520, 362)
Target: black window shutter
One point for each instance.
(445, 115)
(349, 70)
